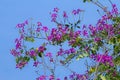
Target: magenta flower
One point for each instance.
(26, 22)
(60, 52)
(36, 63)
(72, 50)
(58, 79)
(41, 49)
(39, 24)
(71, 42)
(67, 52)
(74, 12)
(38, 29)
(14, 52)
(103, 58)
(49, 54)
(19, 26)
(92, 29)
(21, 64)
(45, 28)
(97, 39)
(65, 15)
(54, 31)
(78, 11)
(32, 53)
(49, 37)
(115, 9)
(58, 37)
(42, 77)
(85, 33)
(77, 33)
(56, 9)
(64, 30)
(54, 17)
(51, 77)
(18, 44)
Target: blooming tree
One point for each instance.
(98, 45)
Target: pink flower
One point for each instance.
(65, 15)
(103, 58)
(54, 17)
(56, 9)
(41, 49)
(58, 37)
(60, 52)
(49, 37)
(49, 54)
(51, 77)
(74, 12)
(85, 33)
(115, 9)
(67, 52)
(36, 63)
(39, 24)
(42, 77)
(54, 31)
(21, 64)
(32, 53)
(78, 11)
(18, 44)
(19, 26)
(97, 39)
(77, 33)
(26, 22)
(93, 29)
(72, 50)
(38, 29)
(14, 52)
(45, 28)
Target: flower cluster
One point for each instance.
(69, 51)
(21, 64)
(103, 58)
(75, 12)
(79, 39)
(43, 77)
(76, 76)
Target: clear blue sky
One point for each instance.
(15, 11)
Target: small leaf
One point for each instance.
(82, 56)
(102, 77)
(71, 56)
(92, 70)
(29, 39)
(40, 54)
(34, 58)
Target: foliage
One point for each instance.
(99, 43)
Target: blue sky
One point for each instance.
(16, 11)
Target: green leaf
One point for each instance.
(87, 1)
(112, 40)
(71, 56)
(34, 58)
(17, 60)
(116, 49)
(29, 39)
(102, 77)
(92, 70)
(40, 54)
(117, 61)
(26, 58)
(82, 56)
(21, 51)
(84, 1)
